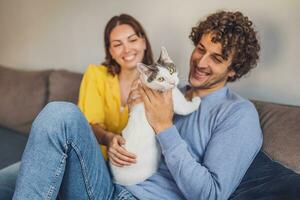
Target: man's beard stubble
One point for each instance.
(209, 83)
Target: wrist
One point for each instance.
(108, 137)
(160, 128)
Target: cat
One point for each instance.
(138, 134)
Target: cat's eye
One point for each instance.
(171, 70)
(160, 79)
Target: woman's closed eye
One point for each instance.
(116, 44)
(133, 40)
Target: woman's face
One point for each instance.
(126, 47)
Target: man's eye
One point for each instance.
(201, 50)
(161, 79)
(216, 60)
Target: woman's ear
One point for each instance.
(144, 44)
(111, 52)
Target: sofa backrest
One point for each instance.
(22, 95)
(64, 86)
(25, 93)
(281, 129)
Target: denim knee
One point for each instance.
(57, 117)
(62, 110)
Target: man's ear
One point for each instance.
(231, 73)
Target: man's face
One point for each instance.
(208, 69)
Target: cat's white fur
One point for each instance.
(139, 135)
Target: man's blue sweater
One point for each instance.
(207, 153)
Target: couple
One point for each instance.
(204, 155)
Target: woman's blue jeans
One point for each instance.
(62, 159)
(8, 177)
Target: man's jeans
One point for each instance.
(62, 159)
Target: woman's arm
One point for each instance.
(117, 154)
(103, 137)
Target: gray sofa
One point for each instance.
(25, 93)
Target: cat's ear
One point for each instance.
(142, 68)
(146, 69)
(164, 57)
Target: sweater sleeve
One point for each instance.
(234, 143)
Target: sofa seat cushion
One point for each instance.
(23, 95)
(268, 180)
(12, 145)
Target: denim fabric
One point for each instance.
(62, 159)
(268, 180)
(8, 178)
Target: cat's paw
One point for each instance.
(196, 101)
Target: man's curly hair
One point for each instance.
(236, 34)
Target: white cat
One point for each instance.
(138, 134)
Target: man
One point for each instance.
(205, 154)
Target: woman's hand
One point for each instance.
(159, 108)
(117, 154)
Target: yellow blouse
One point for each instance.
(100, 100)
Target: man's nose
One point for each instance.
(203, 61)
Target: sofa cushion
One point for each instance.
(23, 95)
(64, 86)
(12, 145)
(281, 129)
(268, 180)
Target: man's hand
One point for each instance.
(134, 96)
(159, 108)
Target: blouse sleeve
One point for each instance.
(91, 101)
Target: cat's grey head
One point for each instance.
(161, 75)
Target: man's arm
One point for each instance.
(229, 153)
(233, 145)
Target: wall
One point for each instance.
(40, 34)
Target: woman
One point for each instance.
(105, 89)
(103, 101)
